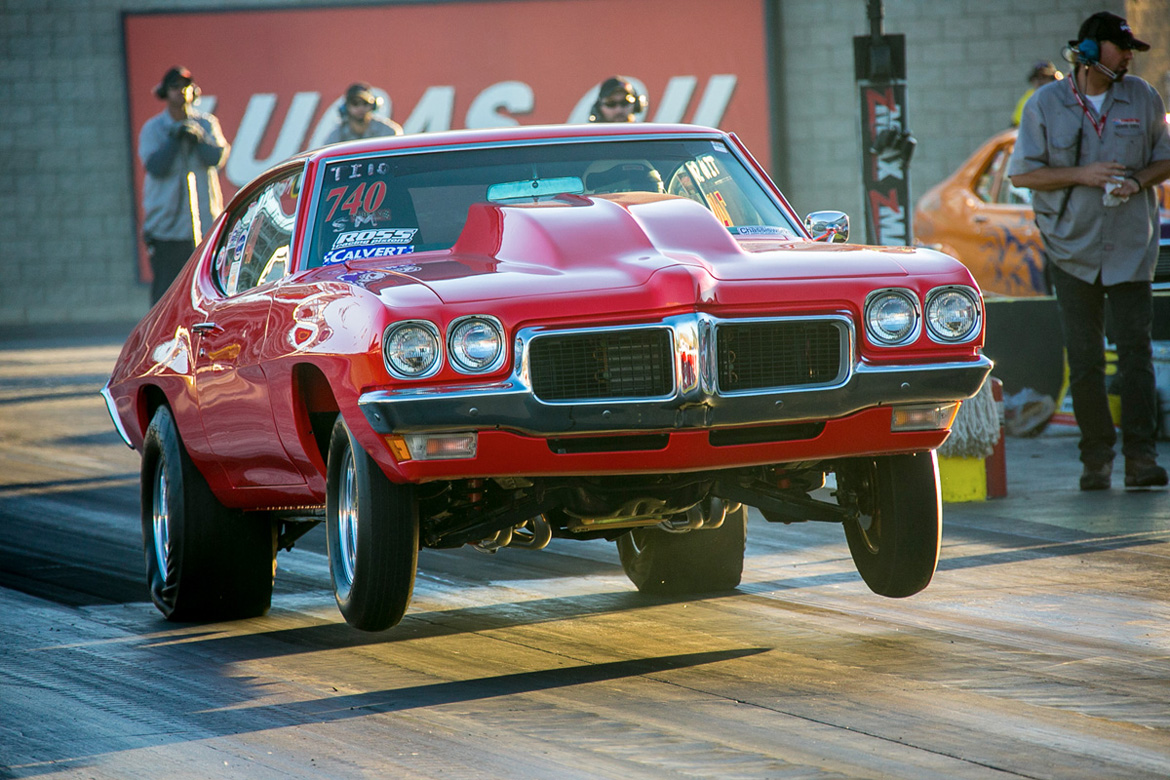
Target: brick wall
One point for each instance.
(67, 248)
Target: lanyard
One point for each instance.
(1098, 125)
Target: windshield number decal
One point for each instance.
(361, 198)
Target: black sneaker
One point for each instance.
(1097, 477)
(1143, 473)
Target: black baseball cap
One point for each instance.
(178, 75)
(1104, 26)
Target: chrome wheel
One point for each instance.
(369, 519)
(347, 516)
(161, 518)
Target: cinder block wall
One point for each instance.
(967, 64)
(67, 247)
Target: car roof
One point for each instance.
(515, 134)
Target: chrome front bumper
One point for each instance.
(511, 405)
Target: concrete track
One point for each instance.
(1041, 649)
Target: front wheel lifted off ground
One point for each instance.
(203, 561)
(895, 540)
(372, 528)
(702, 561)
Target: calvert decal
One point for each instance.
(364, 253)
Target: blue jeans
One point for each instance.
(1082, 318)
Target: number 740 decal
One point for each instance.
(363, 198)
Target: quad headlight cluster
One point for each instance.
(414, 349)
(893, 316)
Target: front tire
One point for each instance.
(703, 561)
(895, 541)
(204, 562)
(372, 528)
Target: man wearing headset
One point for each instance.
(1092, 147)
(618, 100)
(182, 150)
(357, 116)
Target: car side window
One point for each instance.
(985, 188)
(255, 246)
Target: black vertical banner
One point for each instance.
(886, 144)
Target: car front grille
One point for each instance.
(747, 356)
(784, 353)
(634, 363)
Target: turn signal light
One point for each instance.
(923, 418)
(432, 446)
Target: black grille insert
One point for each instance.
(615, 364)
(787, 353)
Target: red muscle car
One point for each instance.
(500, 337)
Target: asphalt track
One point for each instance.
(1041, 649)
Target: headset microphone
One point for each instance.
(1111, 75)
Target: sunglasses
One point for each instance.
(360, 102)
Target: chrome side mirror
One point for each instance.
(831, 226)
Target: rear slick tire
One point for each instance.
(704, 561)
(204, 562)
(372, 529)
(895, 541)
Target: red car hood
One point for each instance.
(579, 244)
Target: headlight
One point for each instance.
(952, 314)
(476, 344)
(891, 317)
(412, 349)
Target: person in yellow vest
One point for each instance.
(1042, 73)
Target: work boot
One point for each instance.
(1142, 473)
(1096, 476)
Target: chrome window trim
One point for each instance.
(321, 163)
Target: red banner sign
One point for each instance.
(274, 78)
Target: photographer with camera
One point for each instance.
(182, 150)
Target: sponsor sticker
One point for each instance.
(382, 237)
(364, 253)
(760, 230)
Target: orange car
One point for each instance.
(976, 215)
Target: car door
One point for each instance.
(233, 396)
(1006, 229)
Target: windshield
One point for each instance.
(399, 204)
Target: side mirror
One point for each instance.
(831, 226)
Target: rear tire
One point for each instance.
(204, 562)
(703, 561)
(372, 529)
(895, 541)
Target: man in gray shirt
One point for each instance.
(182, 150)
(1091, 148)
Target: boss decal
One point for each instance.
(383, 237)
(364, 253)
